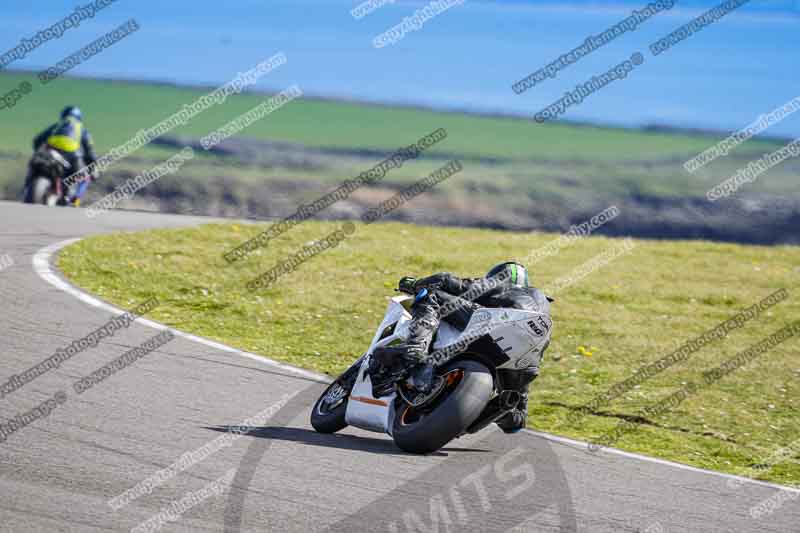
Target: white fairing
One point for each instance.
(521, 335)
(364, 410)
(55, 154)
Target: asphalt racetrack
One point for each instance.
(172, 409)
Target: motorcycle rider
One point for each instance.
(505, 285)
(70, 138)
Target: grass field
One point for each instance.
(524, 175)
(632, 311)
(329, 124)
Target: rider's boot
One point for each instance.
(519, 380)
(422, 377)
(514, 420)
(80, 190)
(424, 322)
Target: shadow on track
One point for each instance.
(340, 441)
(534, 491)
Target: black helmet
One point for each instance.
(515, 273)
(72, 111)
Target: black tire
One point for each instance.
(418, 432)
(39, 191)
(27, 193)
(326, 420)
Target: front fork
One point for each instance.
(348, 378)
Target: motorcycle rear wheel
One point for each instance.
(40, 191)
(469, 388)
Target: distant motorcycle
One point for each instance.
(46, 172)
(468, 393)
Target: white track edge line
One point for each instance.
(42, 266)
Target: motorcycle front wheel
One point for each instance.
(469, 386)
(327, 416)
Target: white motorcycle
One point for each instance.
(468, 392)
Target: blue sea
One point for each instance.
(465, 58)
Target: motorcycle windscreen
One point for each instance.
(395, 312)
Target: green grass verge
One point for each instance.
(115, 111)
(631, 312)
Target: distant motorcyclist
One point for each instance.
(70, 138)
(505, 285)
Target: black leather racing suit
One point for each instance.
(444, 291)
